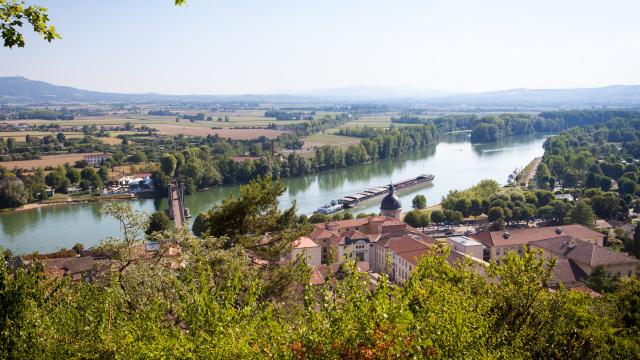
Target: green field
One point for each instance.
(241, 118)
(329, 139)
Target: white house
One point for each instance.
(308, 249)
(466, 245)
(95, 159)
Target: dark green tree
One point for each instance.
(581, 213)
(496, 213)
(635, 244)
(158, 221)
(419, 201)
(254, 221)
(168, 164)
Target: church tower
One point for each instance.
(391, 205)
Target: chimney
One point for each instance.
(572, 243)
(506, 234)
(558, 230)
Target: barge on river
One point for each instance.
(355, 200)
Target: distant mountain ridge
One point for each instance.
(18, 89)
(615, 95)
(21, 90)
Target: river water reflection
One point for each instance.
(455, 162)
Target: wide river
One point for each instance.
(455, 162)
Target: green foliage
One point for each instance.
(635, 243)
(73, 175)
(495, 213)
(14, 14)
(417, 218)
(419, 202)
(58, 180)
(91, 177)
(158, 221)
(600, 281)
(78, 247)
(218, 305)
(483, 190)
(168, 164)
(581, 213)
(254, 221)
(138, 157)
(12, 193)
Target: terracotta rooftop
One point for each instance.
(524, 236)
(304, 242)
(319, 232)
(583, 252)
(412, 257)
(349, 223)
(317, 278)
(567, 271)
(603, 224)
(367, 228)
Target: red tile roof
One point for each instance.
(304, 242)
(355, 234)
(412, 257)
(583, 252)
(317, 278)
(349, 223)
(524, 236)
(320, 232)
(567, 271)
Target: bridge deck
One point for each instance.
(177, 208)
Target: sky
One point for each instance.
(289, 46)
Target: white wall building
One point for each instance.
(308, 249)
(466, 245)
(95, 159)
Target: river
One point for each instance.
(455, 162)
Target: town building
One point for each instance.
(378, 244)
(466, 245)
(305, 247)
(499, 243)
(397, 253)
(96, 159)
(581, 257)
(352, 239)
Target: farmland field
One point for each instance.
(329, 139)
(20, 136)
(48, 160)
(239, 134)
(240, 118)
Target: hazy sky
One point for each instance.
(258, 46)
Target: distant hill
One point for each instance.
(364, 93)
(22, 90)
(18, 89)
(617, 95)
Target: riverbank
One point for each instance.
(81, 199)
(455, 163)
(529, 172)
